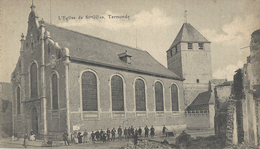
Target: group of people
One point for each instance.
(110, 135)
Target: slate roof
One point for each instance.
(188, 33)
(95, 50)
(204, 98)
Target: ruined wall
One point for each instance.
(6, 122)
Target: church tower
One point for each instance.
(189, 56)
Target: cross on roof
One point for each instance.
(185, 16)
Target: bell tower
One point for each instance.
(189, 56)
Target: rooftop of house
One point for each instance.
(217, 81)
(203, 98)
(227, 83)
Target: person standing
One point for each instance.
(119, 131)
(132, 131)
(152, 131)
(146, 131)
(65, 138)
(25, 140)
(79, 137)
(97, 135)
(164, 130)
(93, 137)
(113, 134)
(129, 133)
(85, 136)
(125, 133)
(139, 131)
(135, 137)
(101, 135)
(104, 138)
(108, 134)
(75, 136)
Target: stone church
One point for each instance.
(65, 81)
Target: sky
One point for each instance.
(149, 25)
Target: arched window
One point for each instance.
(140, 95)
(175, 98)
(159, 96)
(18, 100)
(117, 93)
(54, 89)
(34, 86)
(89, 91)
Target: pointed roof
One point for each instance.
(188, 34)
(101, 52)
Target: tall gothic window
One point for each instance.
(140, 95)
(18, 100)
(54, 83)
(34, 86)
(175, 98)
(159, 96)
(89, 91)
(117, 93)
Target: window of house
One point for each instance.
(175, 98)
(117, 91)
(189, 45)
(198, 81)
(201, 46)
(18, 100)
(54, 92)
(159, 96)
(173, 51)
(89, 91)
(33, 81)
(169, 53)
(140, 95)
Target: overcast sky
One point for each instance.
(152, 25)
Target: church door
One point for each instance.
(34, 121)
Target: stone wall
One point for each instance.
(198, 119)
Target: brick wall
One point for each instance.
(105, 117)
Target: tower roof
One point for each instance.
(188, 33)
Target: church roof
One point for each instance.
(188, 33)
(94, 50)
